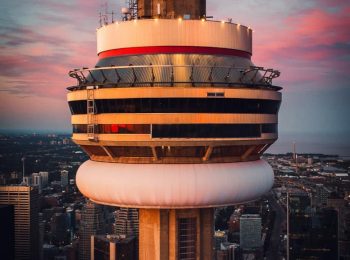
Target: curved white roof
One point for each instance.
(174, 185)
(171, 32)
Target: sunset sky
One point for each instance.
(308, 41)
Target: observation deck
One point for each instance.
(175, 118)
(174, 91)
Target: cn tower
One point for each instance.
(175, 118)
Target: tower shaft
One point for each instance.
(170, 234)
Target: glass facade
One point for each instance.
(313, 233)
(179, 105)
(115, 129)
(183, 130)
(206, 131)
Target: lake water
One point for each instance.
(335, 144)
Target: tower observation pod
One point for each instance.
(175, 118)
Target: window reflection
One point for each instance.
(179, 105)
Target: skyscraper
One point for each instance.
(27, 180)
(127, 221)
(250, 231)
(41, 236)
(37, 181)
(64, 178)
(321, 193)
(339, 204)
(312, 234)
(59, 228)
(175, 117)
(26, 205)
(45, 179)
(93, 222)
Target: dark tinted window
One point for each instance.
(115, 129)
(179, 105)
(269, 128)
(206, 131)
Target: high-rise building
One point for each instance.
(59, 228)
(41, 236)
(16, 177)
(127, 221)
(219, 237)
(2, 179)
(250, 231)
(322, 194)
(45, 179)
(7, 232)
(37, 181)
(93, 222)
(113, 247)
(339, 204)
(27, 180)
(26, 205)
(64, 178)
(174, 102)
(48, 213)
(312, 234)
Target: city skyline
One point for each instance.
(306, 40)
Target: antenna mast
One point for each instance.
(132, 5)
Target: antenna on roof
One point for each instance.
(105, 16)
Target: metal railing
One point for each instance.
(172, 75)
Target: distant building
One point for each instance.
(219, 237)
(93, 222)
(27, 180)
(343, 224)
(127, 223)
(321, 193)
(48, 213)
(64, 178)
(309, 161)
(45, 179)
(26, 205)
(313, 234)
(16, 177)
(113, 247)
(229, 251)
(250, 231)
(59, 228)
(2, 179)
(37, 181)
(41, 236)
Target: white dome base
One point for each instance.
(174, 185)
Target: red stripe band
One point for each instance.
(173, 49)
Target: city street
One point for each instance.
(273, 252)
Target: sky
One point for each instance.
(307, 40)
